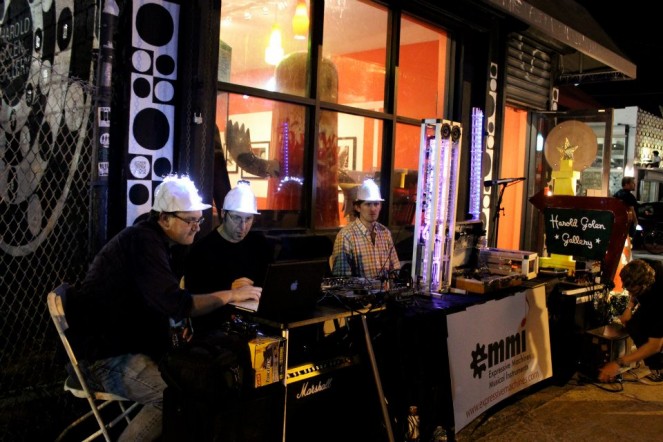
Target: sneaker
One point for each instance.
(655, 377)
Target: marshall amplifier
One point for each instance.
(225, 419)
(332, 400)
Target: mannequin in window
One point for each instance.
(655, 160)
(288, 124)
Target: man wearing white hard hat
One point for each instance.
(232, 255)
(120, 315)
(364, 247)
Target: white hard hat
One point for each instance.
(177, 194)
(368, 191)
(241, 199)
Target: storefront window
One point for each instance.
(421, 73)
(358, 156)
(357, 51)
(263, 142)
(256, 36)
(406, 169)
(270, 100)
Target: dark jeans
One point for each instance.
(135, 377)
(635, 329)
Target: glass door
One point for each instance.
(595, 178)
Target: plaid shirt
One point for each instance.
(355, 255)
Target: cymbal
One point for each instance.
(571, 139)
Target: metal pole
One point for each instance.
(102, 109)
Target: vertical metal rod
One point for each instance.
(286, 335)
(378, 383)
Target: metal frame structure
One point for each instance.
(437, 194)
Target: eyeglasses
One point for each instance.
(238, 219)
(190, 221)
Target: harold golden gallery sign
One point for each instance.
(578, 232)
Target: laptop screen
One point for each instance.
(291, 289)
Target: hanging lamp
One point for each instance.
(274, 51)
(300, 21)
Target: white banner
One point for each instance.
(497, 349)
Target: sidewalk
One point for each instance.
(577, 411)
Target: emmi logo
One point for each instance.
(506, 348)
(498, 352)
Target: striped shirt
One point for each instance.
(355, 255)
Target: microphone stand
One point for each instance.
(496, 216)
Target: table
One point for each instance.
(327, 363)
(455, 356)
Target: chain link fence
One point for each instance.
(46, 149)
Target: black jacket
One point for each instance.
(129, 293)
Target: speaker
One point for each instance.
(570, 316)
(602, 345)
(256, 417)
(332, 400)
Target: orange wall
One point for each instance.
(422, 87)
(512, 165)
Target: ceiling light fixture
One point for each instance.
(274, 51)
(300, 21)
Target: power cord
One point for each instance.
(617, 383)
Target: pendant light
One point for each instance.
(274, 51)
(300, 21)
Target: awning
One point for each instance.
(587, 55)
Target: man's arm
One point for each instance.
(632, 216)
(651, 347)
(207, 303)
(339, 258)
(394, 261)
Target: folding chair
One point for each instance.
(98, 400)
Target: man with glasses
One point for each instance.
(120, 315)
(643, 320)
(230, 256)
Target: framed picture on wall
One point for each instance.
(261, 150)
(347, 153)
(231, 165)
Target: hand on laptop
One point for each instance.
(246, 293)
(241, 282)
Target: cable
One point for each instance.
(583, 379)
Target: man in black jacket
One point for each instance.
(121, 315)
(230, 256)
(626, 194)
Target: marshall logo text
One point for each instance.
(314, 389)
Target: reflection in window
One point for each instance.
(358, 51)
(263, 142)
(268, 143)
(254, 37)
(406, 170)
(358, 155)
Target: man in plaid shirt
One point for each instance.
(364, 247)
